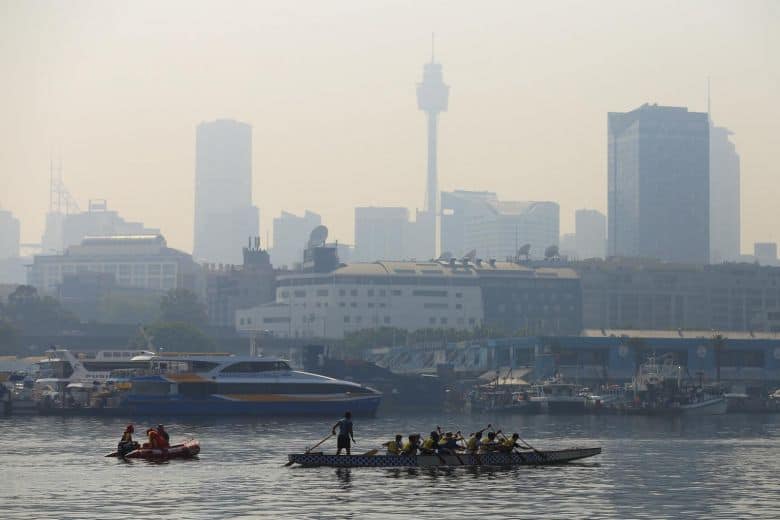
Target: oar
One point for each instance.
(539, 453)
(308, 450)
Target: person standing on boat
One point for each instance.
(345, 434)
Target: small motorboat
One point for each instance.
(186, 450)
(518, 458)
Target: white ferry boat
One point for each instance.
(241, 385)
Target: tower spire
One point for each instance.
(433, 47)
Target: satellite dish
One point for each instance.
(318, 236)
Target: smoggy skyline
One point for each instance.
(116, 90)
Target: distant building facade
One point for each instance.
(381, 233)
(291, 233)
(492, 228)
(653, 295)
(9, 235)
(98, 221)
(658, 184)
(725, 220)
(590, 233)
(229, 288)
(765, 253)
(136, 261)
(417, 295)
(224, 214)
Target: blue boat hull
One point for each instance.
(219, 407)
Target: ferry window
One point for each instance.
(252, 367)
(370, 292)
(203, 366)
(396, 292)
(353, 292)
(322, 292)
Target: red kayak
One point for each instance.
(186, 450)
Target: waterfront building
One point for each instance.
(591, 233)
(224, 214)
(417, 295)
(658, 184)
(291, 233)
(600, 356)
(653, 295)
(98, 220)
(724, 197)
(137, 261)
(232, 287)
(765, 253)
(9, 235)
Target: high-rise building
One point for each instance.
(460, 207)
(224, 215)
(291, 234)
(432, 98)
(591, 233)
(567, 246)
(724, 197)
(381, 233)
(658, 184)
(9, 235)
(765, 253)
(98, 221)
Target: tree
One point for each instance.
(551, 252)
(181, 305)
(28, 311)
(8, 335)
(174, 337)
(524, 252)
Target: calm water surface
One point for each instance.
(712, 467)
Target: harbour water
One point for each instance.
(652, 467)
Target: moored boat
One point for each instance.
(517, 458)
(186, 450)
(240, 385)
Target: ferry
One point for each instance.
(241, 385)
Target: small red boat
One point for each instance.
(186, 450)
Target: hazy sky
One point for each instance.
(117, 88)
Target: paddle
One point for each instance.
(539, 453)
(308, 450)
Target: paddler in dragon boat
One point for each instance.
(396, 446)
(431, 444)
(412, 445)
(448, 445)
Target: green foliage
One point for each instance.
(174, 337)
(121, 308)
(181, 305)
(8, 335)
(29, 312)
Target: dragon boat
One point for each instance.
(517, 458)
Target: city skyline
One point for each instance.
(120, 151)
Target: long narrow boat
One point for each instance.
(518, 458)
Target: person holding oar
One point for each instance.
(345, 434)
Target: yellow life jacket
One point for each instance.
(429, 443)
(409, 448)
(472, 444)
(392, 447)
(508, 443)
